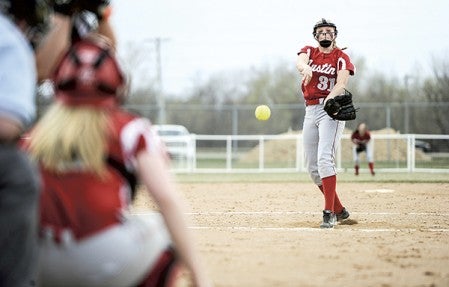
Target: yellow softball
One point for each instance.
(262, 112)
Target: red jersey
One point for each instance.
(324, 67)
(83, 202)
(357, 138)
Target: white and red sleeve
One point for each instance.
(136, 136)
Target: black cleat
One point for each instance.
(344, 214)
(329, 219)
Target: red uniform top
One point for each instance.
(324, 67)
(83, 202)
(357, 138)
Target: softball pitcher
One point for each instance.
(90, 152)
(325, 72)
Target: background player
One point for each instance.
(325, 72)
(90, 150)
(361, 138)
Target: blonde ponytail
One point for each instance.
(71, 138)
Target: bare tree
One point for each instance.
(436, 90)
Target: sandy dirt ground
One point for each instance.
(267, 234)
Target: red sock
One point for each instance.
(371, 167)
(329, 184)
(164, 273)
(338, 207)
(356, 170)
(321, 188)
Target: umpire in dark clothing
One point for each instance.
(22, 23)
(18, 218)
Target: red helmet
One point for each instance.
(89, 74)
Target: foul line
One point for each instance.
(367, 230)
(307, 213)
(346, 228)
(299, 212)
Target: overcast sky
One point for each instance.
(204, 37)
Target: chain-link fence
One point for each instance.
(407, 117)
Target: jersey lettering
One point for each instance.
(324, 69)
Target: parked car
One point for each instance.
(422, 145)
(177, 139)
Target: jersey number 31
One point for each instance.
(326, 83)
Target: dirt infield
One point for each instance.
(266, 234)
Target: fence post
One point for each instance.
(261, 153)
(229, 153)
(193, 158)
(410, 152)
(235, 124)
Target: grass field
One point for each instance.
(304, 177)
(435, 163)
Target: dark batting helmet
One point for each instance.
(89, 74)
(324, 23)
(35, 13)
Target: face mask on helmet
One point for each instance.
(35, 13)
(89, 74)
(325, 43)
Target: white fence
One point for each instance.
(284, 153)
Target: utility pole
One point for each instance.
(160, 88)
(406, 105)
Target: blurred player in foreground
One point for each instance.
(361, 138)
(90, 152)
(26, 25)
(325, 72)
